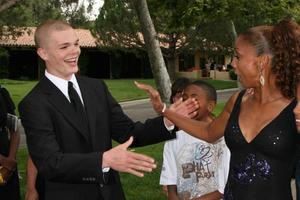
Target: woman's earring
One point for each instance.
(261, 80)
(261, 77)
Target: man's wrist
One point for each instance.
(168, 124)
(164, 108)
(105, 160)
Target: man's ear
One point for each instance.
(42, 53)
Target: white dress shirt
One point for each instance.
(62, 85)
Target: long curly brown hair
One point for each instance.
(282, 42)
(286, 61)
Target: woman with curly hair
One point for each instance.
(260, 126)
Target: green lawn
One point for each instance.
(221, 85)
(17, 89)
(135, 188)
(121, 89)
(22, 160)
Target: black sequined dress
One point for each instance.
(261, 169)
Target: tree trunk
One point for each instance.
(156, 59)
(8, 4)
(233, 31)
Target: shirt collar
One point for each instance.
(62, 84)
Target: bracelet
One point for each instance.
(2, 180)
(164, 108)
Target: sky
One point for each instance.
(97, 4)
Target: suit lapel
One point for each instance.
(62, 104)
(89, 103)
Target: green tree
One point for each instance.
(117, 26)
(229, 17)
(221, 20)
(154, 52)
(190, 24)
(5, 4)
(33, 12)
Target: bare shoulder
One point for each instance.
(225, 114)
(230, 103)
(217, 128)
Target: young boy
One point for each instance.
(176, 93)
(192, 168)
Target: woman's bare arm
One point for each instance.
(209, 132)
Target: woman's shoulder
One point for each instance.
(233, 100)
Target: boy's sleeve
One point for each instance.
(168, 174)
(223, 166)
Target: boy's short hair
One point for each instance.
(210, 90)
(42, 31)
(178, 86)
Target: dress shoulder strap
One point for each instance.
(238, 101)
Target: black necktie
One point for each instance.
(75, 99)
(78, 107)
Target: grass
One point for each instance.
(125, 89)
(121, 89)
(22, 161)
(221, 85)
(17, 89)
(146, 188)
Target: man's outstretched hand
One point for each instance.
(186, 108)
(153, 95)
(121, 159)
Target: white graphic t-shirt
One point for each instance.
(195, 166)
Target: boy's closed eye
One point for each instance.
(184, 97)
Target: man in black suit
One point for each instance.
(70, 121)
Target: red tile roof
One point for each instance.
(86, 39)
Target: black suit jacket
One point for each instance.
(70, 157)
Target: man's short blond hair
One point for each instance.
(43, 30)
